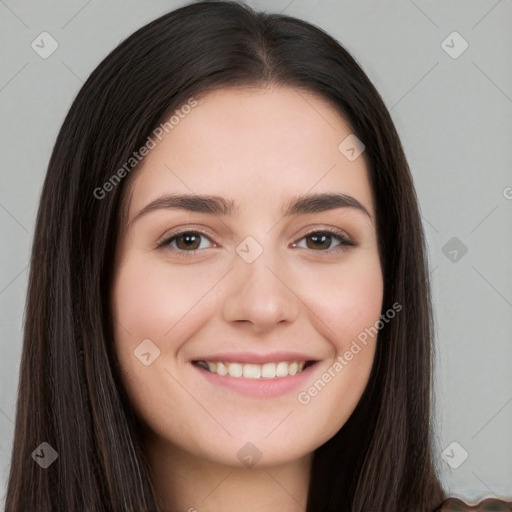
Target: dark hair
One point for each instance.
(70, 394)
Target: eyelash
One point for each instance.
(344, 241)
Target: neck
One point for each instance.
(187, 483)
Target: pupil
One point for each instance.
(188, 241)
(322, 238)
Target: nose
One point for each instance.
(260, 294)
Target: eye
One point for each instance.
(185, 241)
(322, 240)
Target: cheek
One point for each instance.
(346, 312)
(360, 303)
(152, 301)
(155, 301)
(346, 298)
(163, 304)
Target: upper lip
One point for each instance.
(250, 357)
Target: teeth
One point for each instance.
(282, 370)
(293, 369)
(268, 370)
(235, 370)
(221, 369)
(254, 371)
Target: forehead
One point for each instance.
(257, 146)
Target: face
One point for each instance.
(237, 320)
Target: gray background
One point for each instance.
(454, 119)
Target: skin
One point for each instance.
(256, 147)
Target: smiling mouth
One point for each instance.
(254, 371)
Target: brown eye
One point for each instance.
(186, 241)
(325, 241)
(319, 241)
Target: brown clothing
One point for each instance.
(487, 505)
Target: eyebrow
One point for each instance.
(216, 205)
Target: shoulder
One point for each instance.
(458, 505)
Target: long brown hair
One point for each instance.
(69, 389)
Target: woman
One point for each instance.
(228, 294)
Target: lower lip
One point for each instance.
(259, 387)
